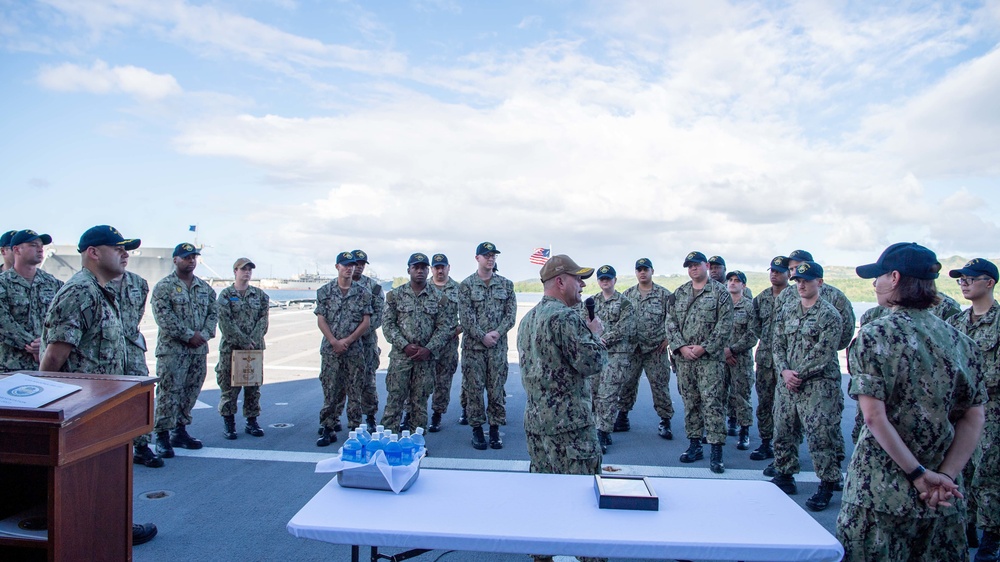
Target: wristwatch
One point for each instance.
(917, 473)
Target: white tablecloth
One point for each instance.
(516, 512)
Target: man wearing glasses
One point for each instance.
(981, 322)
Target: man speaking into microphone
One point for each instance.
(560, 354)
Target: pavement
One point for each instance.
(231, 500)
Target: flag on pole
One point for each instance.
(539, 256)
(193, 228)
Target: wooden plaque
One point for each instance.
(248, 367)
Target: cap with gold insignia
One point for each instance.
(24, 236)
(105, 235)
(346, 258)
(360, 255)
(800, 255)
(807, 271)
(606, 272)
(5, 238)
(557, 265)
(184, 250)
(977, 266)
(779, 263)
(644, 262)
(737, 274)
(486, 248)
(694, 257)
(717, 260)
(439, 259)
(418, 258)
(243, 262)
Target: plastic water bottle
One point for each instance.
(406, 444)
(353, 449)
(363, 436)
(386, 437)
(373, 447)
(393, 452)
(419, 443)
(380, 428)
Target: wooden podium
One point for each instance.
(73, 458)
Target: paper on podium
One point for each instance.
(25, 391)
(396, 476)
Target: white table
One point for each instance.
(517, 512)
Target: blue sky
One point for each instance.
(290, 130)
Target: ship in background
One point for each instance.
(304, 282)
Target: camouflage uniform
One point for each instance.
(984, 471)
(426, 319)
(484, 308)
(704, 319)
(343, 375)
(369, 393)
(559, 358)
(766, 307)
(923, 387)
(85, 315)
(446, 360)
(806, 341)
(243, 323)
(650, 313)
(23, 305)
(740, 376)
(619, 319)
(179, 312)
(131, 292)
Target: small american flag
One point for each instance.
(539, 256)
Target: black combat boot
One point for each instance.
(370, 421)
(495, 442)
(144, 456)
(732, 429)
(770, 471)
(253, 428)
(621, 422)
(988, 547)
(694, 452)
(663, 430)
(326, 438)
(821, 498)
(785, 482)
(230, 427)
(715, 463)
(464, 419)
(179, 438)
(163, 447)
(336, 427)
(404, 423)
(602, 438)
(478, 439)
(763, 452)
(435, 425)
(744, 440)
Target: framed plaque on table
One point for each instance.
(626, 492)
(248, 367)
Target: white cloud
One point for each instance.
(100, 78)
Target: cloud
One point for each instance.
(103, 79)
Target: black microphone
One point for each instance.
(589, 303)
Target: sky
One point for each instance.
(291, 130)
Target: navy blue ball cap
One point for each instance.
(184, 250)
(418, 258)
(717, 260)
(976, 267)
(908, 258)
(808, 271)
(606, 272)
(737, 274)
(24, 236)
(439, 259)
(779, 263)
(644, 262)
(800, 255)
(346, 258)
(486, 248)
(105, 235)
(360, 256)
(6, 237)
(694, 257)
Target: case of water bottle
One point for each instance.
(370, 477)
